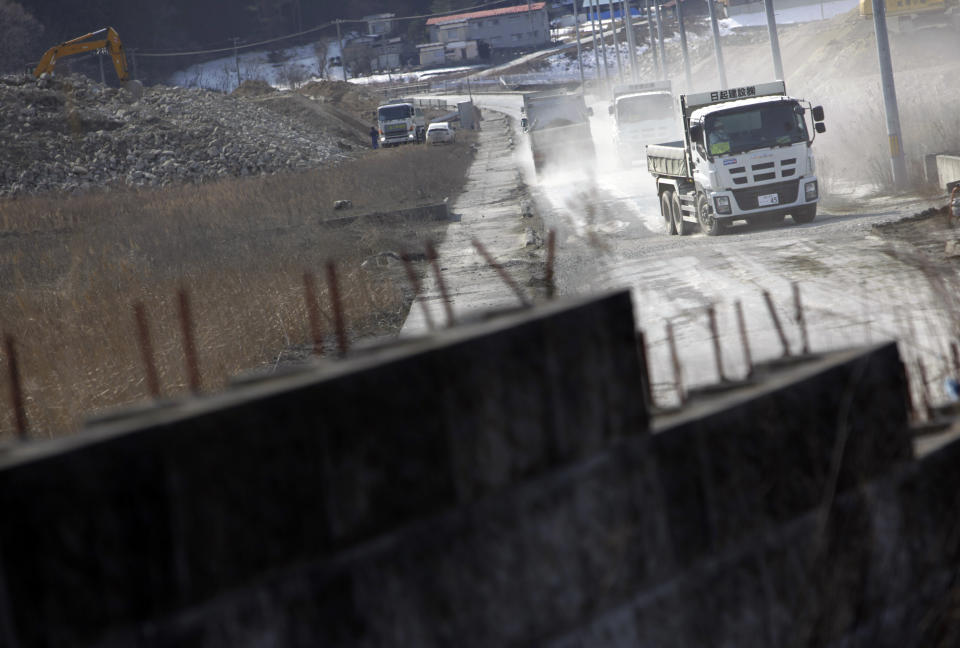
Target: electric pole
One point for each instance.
(897, 162)
(774, 40)
(716, 44)
(236, 57)
(663, 54)
(683, 46)
(343, 59)
(631, 40)
(653, 42)
(576, 27)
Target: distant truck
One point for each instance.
(643, 113)
(558, 128)
(745, 155)
(400, 122)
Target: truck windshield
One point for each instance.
(399, 111)
(751, 127)
(645, 107)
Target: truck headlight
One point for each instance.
(722, 204)
(810, 191)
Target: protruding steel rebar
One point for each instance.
(189, 346)
(16, 389)
(776, 324)
(645, 367)
(339, 322)
(417, 288)
(744, 338)
(507, 279)
(146, 349)
(551, 251)
(715, 338)
(801, 321)
(441, 284)
(313, 311)
(675, 362)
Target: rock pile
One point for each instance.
(71, 133)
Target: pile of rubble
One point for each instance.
(71, 133)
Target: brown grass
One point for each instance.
(71, 269)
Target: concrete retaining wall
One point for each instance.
(140, 518)
(948, 170)
(495, 485)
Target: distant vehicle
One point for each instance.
(643, 113)
(400, 122)
(558, 128)
(745, 155)
(440, 133)
(102, 39)
(914, 14)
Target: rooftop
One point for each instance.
(488, 13)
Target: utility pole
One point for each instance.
(616, 43)
(133, 63)
(343, 59)
(593, 33)
(663, 54)
(103, 79)
(603, 43)
(683, 46)
(631, 40)
(236, 57)
(716, 44)
(897, 163)
(576, 27)
(774, 40)
(653, 42)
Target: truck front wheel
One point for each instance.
(804, 214)
(708, 222)
(666, 210)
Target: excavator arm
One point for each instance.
(106, 38)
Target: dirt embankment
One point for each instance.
(69, 133)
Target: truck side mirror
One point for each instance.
(817, 113)
(590, 111)
(610, 109)
(696, 133)
(820, 127)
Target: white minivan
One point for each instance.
(440, 133)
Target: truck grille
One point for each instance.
(763, 171)
(747, 198)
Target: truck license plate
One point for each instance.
(768, 199)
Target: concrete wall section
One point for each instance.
(140, 518)
(651, 542)
(948, 169)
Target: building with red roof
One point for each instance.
(520, 26)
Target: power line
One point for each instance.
(231, 48)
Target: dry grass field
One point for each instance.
(72, 268)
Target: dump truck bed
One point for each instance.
(667, 159)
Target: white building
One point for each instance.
(525, 25)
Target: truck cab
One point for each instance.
(557, 125)
(643, 113)
(746, 154)
(400, 122)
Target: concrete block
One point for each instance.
(948, 170)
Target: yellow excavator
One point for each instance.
(106, 39)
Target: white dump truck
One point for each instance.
(746, 154)
(400, 122)
(557, 124)
(643, 113)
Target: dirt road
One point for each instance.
(856, 286)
